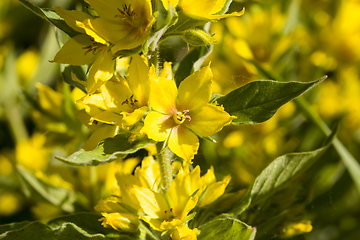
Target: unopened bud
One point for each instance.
(197, 37)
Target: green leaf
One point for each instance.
(226, 229)
(163, 24)
(258, 101)
(351, 164)
(37, 189)
(107, 151)
(39, 231)
(192, 62)
(80, 73)
(88, 222)
(282, 171)
(50, 16)
(13, 226)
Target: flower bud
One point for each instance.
(197, 37)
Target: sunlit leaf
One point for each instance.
(258, 101)
(37, 189)
(51, 16)
(107, 151)
(225, 229)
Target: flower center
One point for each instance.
(169, 215)
(180, 117)
(130, 101)
(93, 47)
(126, 14)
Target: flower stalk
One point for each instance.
(163, 157)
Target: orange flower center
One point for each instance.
(180, 117)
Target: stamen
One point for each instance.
(180, 117)
(130, 101)
(126, 12)
(93, 47)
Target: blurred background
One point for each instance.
(289, 40)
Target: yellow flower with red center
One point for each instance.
(180, 115)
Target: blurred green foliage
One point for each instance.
(294, 40)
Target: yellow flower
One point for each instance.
(120, 102)
(294, 229)
(164, 212)
(121, 25)
(183, 232)
(180, 115)
(201, 9)
(116, 216)
(32, 154)
(125, 24)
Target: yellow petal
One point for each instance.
(115, 94)
(179, 193)
(153, 222)
(195, 90)
(183, 232)
(71, 17)
(101, 71)
(149, 174)
(130, 119)
(128, 197)
(172, 2)
(87, 26)
(163, 93)
(197, 8)
(214, 191)
(106, 8)
(183, 143)
(109, 118)
(157, 126)
(93, 104)
(121, 221)
(152, 203)
(73, 52)
(98, 135)
(208, 120)
(233, 14)
(139, 79)
(166, 72)
(208, 178)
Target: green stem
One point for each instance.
(348, 160)
(163, 157)
(15, 120)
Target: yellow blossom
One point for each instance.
(183, 232)
(180, 115)
(297, 228)
(115, 216)
(165, 212)
(121, 102)
(202, 9)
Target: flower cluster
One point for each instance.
(142, 197)
(144, 101)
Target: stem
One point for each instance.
(348, 160)
(15, 121)
(163, 157)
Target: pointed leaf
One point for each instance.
(107, 151)
(39, 231)
(192, 62)
(283, 170)
(88, 222)
(225, 229)
(258, 101)
(51, 16)
(37, 189)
